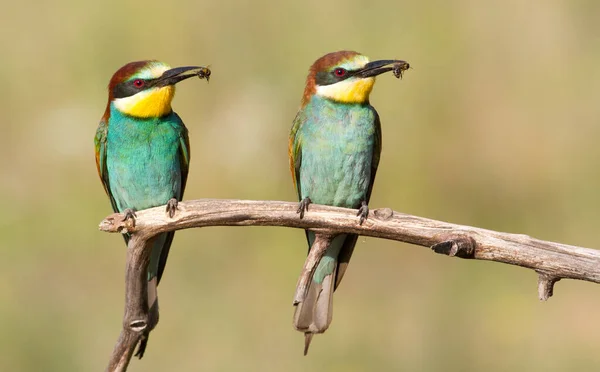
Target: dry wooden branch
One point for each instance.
(552, 261)
(136, 317)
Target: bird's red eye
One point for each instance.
(339, 72)
(138, 83)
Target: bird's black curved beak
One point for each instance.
(175, 75)
(379, 67)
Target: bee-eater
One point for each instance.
(143, 150)
(334, 149)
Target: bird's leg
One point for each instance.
(363, 212)
(129, 214)
(303, 206)
(172, 207)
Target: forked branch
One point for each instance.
(552, 261)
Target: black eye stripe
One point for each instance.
(128, 88)
(330, 77)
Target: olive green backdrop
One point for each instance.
(496, 126)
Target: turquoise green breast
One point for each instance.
(143, 160)
(337, 152)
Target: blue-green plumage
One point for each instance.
(146, 165)
(334, 150)
(143, 154)
(339, 145)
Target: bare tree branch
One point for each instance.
(552, 261)
(136, 317)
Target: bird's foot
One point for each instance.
(129, 214)
(172, 207)
(363, 212)
(303, 206)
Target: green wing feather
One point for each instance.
(376, 154)
(100, 144)
(184, 154)
(295, 154)
(295, 150)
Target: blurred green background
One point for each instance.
(496, 126)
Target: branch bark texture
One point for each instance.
(552, 261)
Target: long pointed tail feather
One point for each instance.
(315, 313)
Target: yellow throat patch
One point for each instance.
(154, 102)
(352, 90)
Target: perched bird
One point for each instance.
(334, 149)
(143, 150)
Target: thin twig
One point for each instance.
(553, 261)
(546, 286)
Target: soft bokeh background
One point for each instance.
(496, 126)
